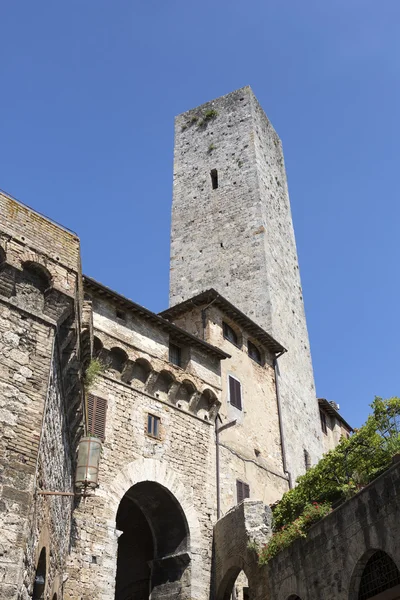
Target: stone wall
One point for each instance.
(180, 460)
(236, 536)
(238, 239)
(329, 562)
(250, 450)
(39, 394)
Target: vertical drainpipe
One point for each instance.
(217, 465)
(217, 418)
(281, 428)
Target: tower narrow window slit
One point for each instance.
(214, 178)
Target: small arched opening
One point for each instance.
(140, 372)
(184, 394)
(163, 385)
(207, 405)
(39, 583)
(153, 548)
(97, 347)
(117, 359)
(376, 574)
(31, 284)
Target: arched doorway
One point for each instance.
(153, 547)
(380, 576)
(240, 589)
(39, 583)
(234, 585)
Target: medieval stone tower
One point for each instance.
(232, 231)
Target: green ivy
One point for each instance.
(350, 466)
(298, 528)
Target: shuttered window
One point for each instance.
(235, 393)
(97, 409)
(323, 422)
(242, 490)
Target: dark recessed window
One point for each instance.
(254, 352)
(120, 314)
(323, 422)
(307, 460)
(235, 393)
(242, 490)
(214, 179)
(153, 426)
(175, 355)
(230, 334)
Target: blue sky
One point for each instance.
(89, 91)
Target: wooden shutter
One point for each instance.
(323, 422)
(97, 409)
(242, 490)
(239, 491)
(235, 393)
(246, 490)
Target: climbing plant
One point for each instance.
(351, 465)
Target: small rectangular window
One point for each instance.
(230, 334)
(307, 460)
(153, 425)
(254, 352)
(175, 355)
(120, 314)
(235, 393)
(214, 179)
(96, 414)
(242, 490)
(323, 422)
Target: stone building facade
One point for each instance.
(333, 425)
(232, 230)
(205, 412)
(352, 554)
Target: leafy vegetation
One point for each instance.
(93, 370)
(350, 466)
(340, 474)
(297, 529)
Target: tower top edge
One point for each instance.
(243, 90)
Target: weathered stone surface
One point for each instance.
(329, 562)
(239, 239)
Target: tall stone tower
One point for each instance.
(232, 230)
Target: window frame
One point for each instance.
(244, 491)
(324, 423)
(226, 329)
(172, 347)
(151, 431)
(240, 406)
(120, 314)
(257, 350)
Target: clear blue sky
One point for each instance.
(89, 90)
